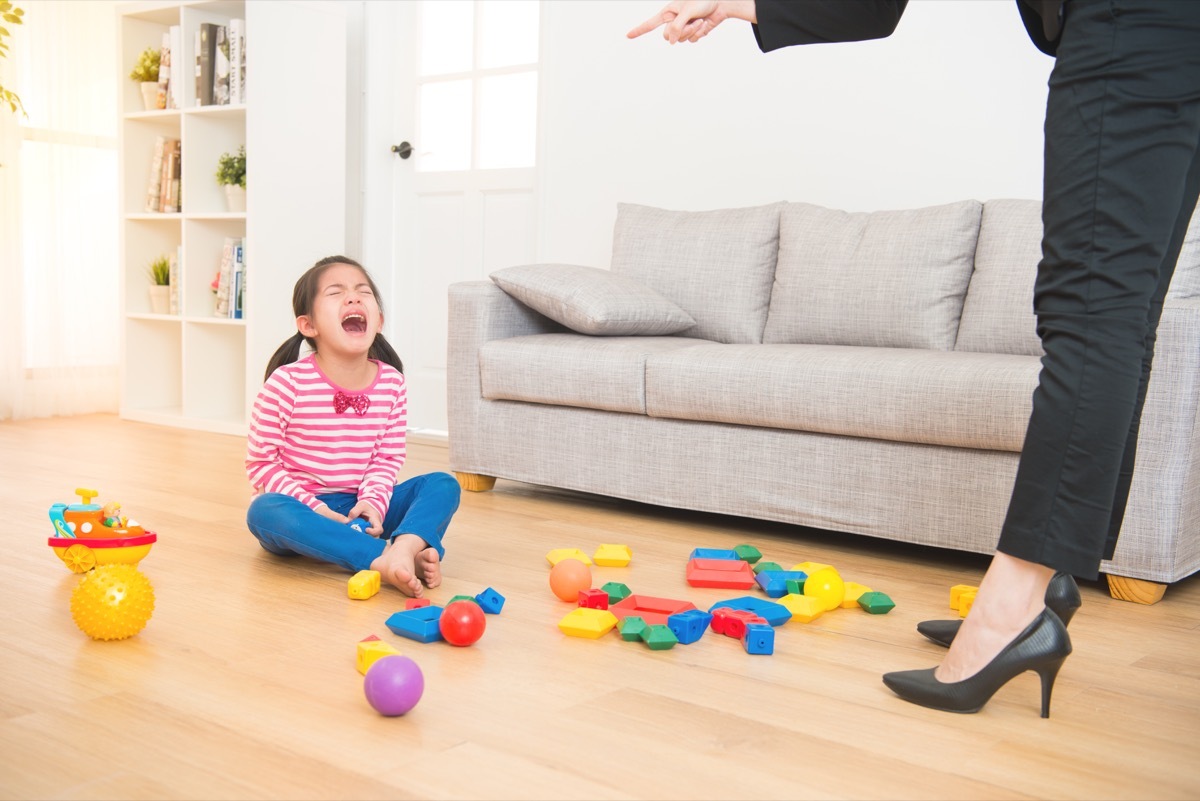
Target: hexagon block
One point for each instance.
(589, 623)
(613, 555)
(803, 608)
(877, 603)
(659, 637)
(558, 554)
(631, 628)
(616, 591)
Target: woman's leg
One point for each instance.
(285, 526)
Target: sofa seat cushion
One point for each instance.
(966, 400)
(573, 370)
(891, 279)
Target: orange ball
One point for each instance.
(570, 577)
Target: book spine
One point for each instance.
(208, 62)
(154, 186)
(239, 273)
(175, 86)
(236, 61)
(164, 69)
(197, 59)
(224, 278)
(221, 69)
(173, 282)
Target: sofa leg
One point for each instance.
(1139, 591)
(473, 482)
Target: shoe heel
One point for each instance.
(1066, 614)
(1048, 673)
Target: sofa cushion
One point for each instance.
(593, 301)
(573, 369)
(966, 400)
(998, 314)
(716, 265)
(1186, 281)
(880, 279)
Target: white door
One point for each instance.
(465, 79)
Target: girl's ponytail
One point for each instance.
(287, 353)
(382, 350)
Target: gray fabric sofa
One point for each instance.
(858, 372)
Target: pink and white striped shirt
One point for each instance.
(301, 446)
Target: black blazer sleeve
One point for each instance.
(782, 23)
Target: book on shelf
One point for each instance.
(175, 84)
(154, 185)
(164, 70)
(206, 53)
(197, 65)
(173, 281)
(237, 61)
(231, 278)
(239, 279)
(221, 67)
(169, 183)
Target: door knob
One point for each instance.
(404, 150)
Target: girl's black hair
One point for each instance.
(303, 295)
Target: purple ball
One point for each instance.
(393, 685)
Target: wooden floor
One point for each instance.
(243, 684)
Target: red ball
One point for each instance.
(462, 623)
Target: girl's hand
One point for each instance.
(325, 511)
(364, 509)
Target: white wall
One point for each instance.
(949, 107)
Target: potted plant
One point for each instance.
(231, 173)
(160, 285)
(145, 72)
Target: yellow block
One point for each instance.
(371, 650)
(965, 602)
(613, 555)
(810, 567)
(804, 608)
(363, 585)
(590, 623)
(956, 593)
(559, 554)
(853, 590)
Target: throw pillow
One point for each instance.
(589, 300)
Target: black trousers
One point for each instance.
(1122, 174)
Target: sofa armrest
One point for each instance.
(479, 311)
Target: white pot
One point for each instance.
(235, 197)
(150, 95)
(160, 299)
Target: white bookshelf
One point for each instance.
(194, 369)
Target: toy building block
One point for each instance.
(804, 608)
(727, 573)
(689, 626)
(416, 603)
(714, 553)
(761, 566)
(659, 637)
(877, 603)
(956, 593)
(589, 623)
(559, 554)
(965, 602)
(747, 553)
(631, 628)
(613, 555)
(363, 584)
(810, 567)
(491, 601)
(772, 612)
(370, 649)
(654, 611)
(759, 638)
(593, 599)
(795, 585)
(616, 591)
(853, 591)
(775, 582)
(420, 624)
(733, 622)
(470, 598)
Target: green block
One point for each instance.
(659, 637)
(877, 603)
(632, 628)
(761, 566)
(616, 591)
(748, 553)
(470, 598)
(795, 586)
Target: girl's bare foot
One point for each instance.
(397, 565)
(429, 567)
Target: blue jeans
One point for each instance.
(286, 527)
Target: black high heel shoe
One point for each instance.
(1041, 647)
(1062, 598)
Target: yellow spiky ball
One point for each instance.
(112, 602)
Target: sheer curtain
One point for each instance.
(59, 219)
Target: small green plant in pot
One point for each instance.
(160, 285)
(145, 72)
(231, 173)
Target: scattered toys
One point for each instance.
(462, 623)
(112, 602)
(759, 638)
(569, 577)
(593, 599)
(826, 585)
(370, 650)
(419, 623)
(876, 603)
(363, 585)
(589, 623)
(393, 685)
(654, 611)
(87, 535)
(689, 626)
(719, 572)
(558, 554)
(490, 601)
(613, 555)
(616, 591)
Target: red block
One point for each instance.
(654, 611)
(593, 599)
(416, 603)
(726, 573)
(732, 622)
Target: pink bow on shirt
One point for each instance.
(343, 401)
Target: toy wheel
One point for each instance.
(79, 558)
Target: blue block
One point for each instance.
(491, 601)
(774, 582)
(714, 553)
(689, 626)
(420, 624)
(773, 613)
(759, 639)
